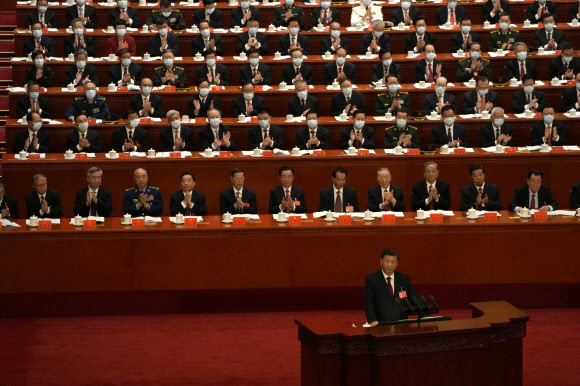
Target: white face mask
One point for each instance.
(482, 91)
(210, 62)
(334, 34)
(302, 94)
(168, 62)
(567, 59)
(528, 89)
(297, 61)
(166, 14)
(39, 63)
(146, 90)
(252, 30)
(205, 32)
(401, 123)
(245, 4)
(378, 34)
(405, 5)
(175, 124)
(289, 3)
(421, 30)
(549, 26)
(79, 31)
(430, 56)
(81, 64)
(33, 95)
(548, 118)
(366, 2)
(209, 11)
(37, 33)
(162, 32)
(204, 91)
(387, 62)
(121, 32)
(294, 31)
(126, 62)
(340, 60)
(36, 126)
(347, 91)
(254, 61)
(521, 55)
(122, 4)
(133, 123)
(325, 4)
(475, 55)
(504, 26)
(449, 120)
(83, 126)
(42, 8)
(465, 29)
(264, 123)
(312, 123)
(393, 88)
(440, 90)
(359, 124)
(80, 3)
(90, 94)
(248, 96)
(215, 122)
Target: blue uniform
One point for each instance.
(154, 200)
(98, 109)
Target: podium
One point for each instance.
(485, 350)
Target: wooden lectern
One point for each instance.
(485, 350)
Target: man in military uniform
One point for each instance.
(393, 100)
(168, 73)
(90, 104)
(504, 37)
(473, 66)
(402, 133)
(142, 199)
(284, 12)
(165, 11)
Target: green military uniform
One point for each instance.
(154, 201)
(463, 74)
(280, 15)
(385, 100)
(393, 133)
(178, 75)
(174, 19)
(497, 39)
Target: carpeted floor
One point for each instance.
(220, 349)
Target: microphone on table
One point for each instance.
(410, 306)
(434, 304)
(403, 306)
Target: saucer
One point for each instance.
(281, 220)
(472, 218)
(227, 222)
(257, 156)
(126, 223)
(369, 219)
(151, 156)
(424, 218)
(525, 216)
(33, 226)
(333, 219)
(78, 225)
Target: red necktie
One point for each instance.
(338, 203)
(287, 199)
(387, 207)
(255, 72)
(357, 142)
(430, 73)
(533, 201)
(130, 134)
(125, 71)
(432, 203)
(482, 104)
(549, 36)
(390, 286)
(452, 17)
(480, 190)
(41, 199)
(176, 134)
(265, 135)
(549, 139)
(31, 147)
(522, 70)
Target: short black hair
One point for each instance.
(566, 46)
(390, 252)
(295, 49)
(30, 114)
(128, 112)
(252, 51)
(312, 112)
(236, 170)
(464, 19)
(208, 52)
(186, 174)
(505, 14)
(120, 22)
(123, 51)
(35, 23)
(247, 83)
(384, 51)
(36, 53)
(475, 167)
(208, 2)
(547, 14)
(264, 110)
(163, 20)
(285, 168)
(527, 76)
(357, 112)
(344, 80)
(32, 83)
(292, 18)
(419, 18)
(339, 170)
(3, 184)
(535, 172)
(482, 78)
(446, 108)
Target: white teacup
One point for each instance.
(513, 81)
(78, 220)
(295, 151)
(351, 150)
(327, 55)
(145, 28)
(243, 55)
(460, 52)
(112, 87)
(208, 152)
(151, 153)
(329, 216)
(33, 2)
(142, 2)
(237, 29)
(434, 114)
(272, 28)
(527, 23)
(265, 2)
(241, 118)
(420, 214)
(277, 55)
(335, 85)
(471, 213)
(368, 215)
(528, 114)
(185, 118)
(189, 2)
(448, 24)
(282, 86)
(112, 57)
(471, 82)
(499, 51)
(572, 112)
(498, 148)
(195, 28)
(257, 152)
(112, 154)
(22, 155)
(486, 24)
(146, 56)
(398, 150)
(289, 118)
(422, 84)
(71, 57)
(359, 27)
(343, 117)
(281, 216)
(69, 154)
(227, 217)
(544, 148)
(388, 116)
(555, 82)
(401, 26)
(444, 149)
(110, 29)
(320, 26)
(484, 114)
(410, 54)
(369, 54)
(578, 212)
(179, 218)
(127, 218)
(540, 50)
(33, 221)
(575, 22)
(198, 56)
(379, 83)
(524, 212)
(29, 57)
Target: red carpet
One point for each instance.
(220, 349)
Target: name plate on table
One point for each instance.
(267, 153)
(169, 88)
(344, 219)
(259, 88)
(138, 222)
(413, 151)
(557, 149)
(319, 153)
(541, 216)
(490, 217)
(570, 82)
(175, 155)
(388, 218)
(510, 150)
(34, 156)
(92, 121)
(124, 155)
(123, 88)
(80, 89)
(239, 220)
(295, 219)
(81, 156)
(46, 224)
(89, 223)
(459, 150)
(144, 121)
(363, 152)
(190, 221)
(436, 217)
(225, 153)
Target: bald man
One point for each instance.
(142, 199)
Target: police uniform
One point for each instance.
(174, 18)
(98, 109)
(280, 15)
(154, 200)
(463, 74)
(497, 39)
(178, 75)
(393, 133)
(385, 100)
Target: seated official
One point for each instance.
(504, 37)
(43, 202)
(130, 137)
(248, 103)
(439, 99)
(297, 70)
(429, 69)
(90, 104)
(431, 193)
(8, 205)
(121, 40)
(43, 15)
(255, 72)
(125, 14)
(549, 37)
(480, 195)
(384, 196)
(85, 12)
(252, 39)
(287, 197)
(405, 14)
(302, 103)
(33, 102)
(571, 97)
(78, 40)
(175, 137)
(449, 133)
(39, 72)
(480, 99)
(163, 40)
(358, 135)
(474, 66)
(293, 39)
(238, 199)
(565, 65)
(528, 98)
(206, 40)
(534, 195)
(147, 104)
(491, 10)
(265, 136)
(125, 72)
(142, 199)
(199, 105)
(83, 139)
(347, 101)
(214, 135)
(33, 139)
(214, 73)
(187, 200)
(465, 38)
(284, 13)
(333, 41)
(548, 130)
(385, 67)
(574, 197)
(521, 65)
(313, 136)
(392, 100)
(38, 42)
(375, 41)
(365, 13)
(574, 12)
(401, 134)
(339, 69)
(416, 40)
(381, 302)
(165, 11)
(210, 14)
(451, 13)
(338, 198)
(241, 15)
(169, 73)
(80, 73)
(93, 200)
(325, 14)
(496, 132)
(536, 11)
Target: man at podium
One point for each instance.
(384, 288)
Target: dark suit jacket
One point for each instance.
(367, 132)
(339, 102)
(140, 138)
(533, 11)
(540, 38)
(411, 40)
(487, 135)
(569, 99)
(155, 44)
(11, 204)
(202, 71)
(255, 137)
(303, 136)
(90, 13)
(104, 203)
(487, 7)
(228, 199)
(198, 45)
(512, 69)
(441, 14)
(46, 42)
(69, 47)
(284, 44)
(89, 70)
(52, 197)
(243, 40)
(470, 99)
(199, 207)
(203, 107)
(206, 137)
(574, 197)
(24, 106)
(47, 79)
(316, 12)
(469, 195)
(49, 19)
(348, 198)
(439, 134)
(557, 69)
(167, 141)
(96, 144)
(375, 199)
(522, 198)
(457, 41)
(116, 73)
(397, 15)
(237, 15)
(538, 133)
(295, 107)
(278, 194)
(115, 16)
(326, 45)
(156, 103)
(379, 71)
(331, 72)
(215, 19)
(43, 141)
(240, 106)
(289, 73)
(379, 304)
(430, 102)
(519, 100)
(246, 74)
(384, 42)
(421, 69)
(420, 193)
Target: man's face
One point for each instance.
(345, 84)
(253, 24)
(89, 86)
(80, 119)
(165, 9)
(34, 88)
(387, 56)
(203, 84)
(521, 48)
(482, 85)
(35, 118)
(168, 55)
(37, 27)
(238, 180)
(119, 27)
(213, 114)
(504, 19)
(334, 26)
(254, 55)
(534, 183)
(286, 178)
(389, 264)
(126, 55)
(301, 86)
(341, 53)
(209, 6)
(339, 181)
(94, 180)
(132, 116)
(173, 117)
(264, 117)
(203, 26)
(297, 54)
(384, 178)
(80, 58)
(497, 114)
(40, 186)
(429, 49)
(360, 117)
(529, 82)
(393, 81)
(548, 111)
(147, 83)
(248, 88)
(421, 23)
(77, 25)
(466, 23)
(294, 24)
(448, 113)
(441, 82)
(568, 52)
(141, 178)
(431, 173)
(478, 177)
(187, 183)
(210, 56)
(475, 48)
(549, 19)
(401, 115)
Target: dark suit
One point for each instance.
(339, 102)
(69, 47)
(487, 134)
(397, 16)
(558, 69)
(540, 38)
(368, 135)
(430, 102)
(89, 70)
(278, 194)
(104, 203)
(380, 306)
(295, 106)
(421, 70)
(284, 44)
(519, 101)
(140, 138)
(240, 106)
(384, 42)
(215, 19)
(574, 197)
(375, 199)
(439, 134)
(533, 11)
(470, 99)
(228, 199)
(202, 71)
(52, 198)
(303, 136)
(167, 139)
(379, 71)
(348, 198)
(569, 99)
(199, 207)
(522, 198)
(45, 42)
(469, 195)
(43, 141)
(243, 39)
(457, 41)
(442, 12)
(115, 16)
(116, 73)
(538, 133)
(198, 44)
(255, 137)
(289, 73)
(203, 107)
(317, 18)
(155, 48)
(331, 72)
(206, 137)
(237, 16)
(42, 102)
(411, 41)
(487, 7)
(46, 80)
(12, 205)
(156, 103)
(573, 12)
(326, 45)
(93, 136)
(247, 74)
(49, 19)
(90, 13)
(420, 194)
